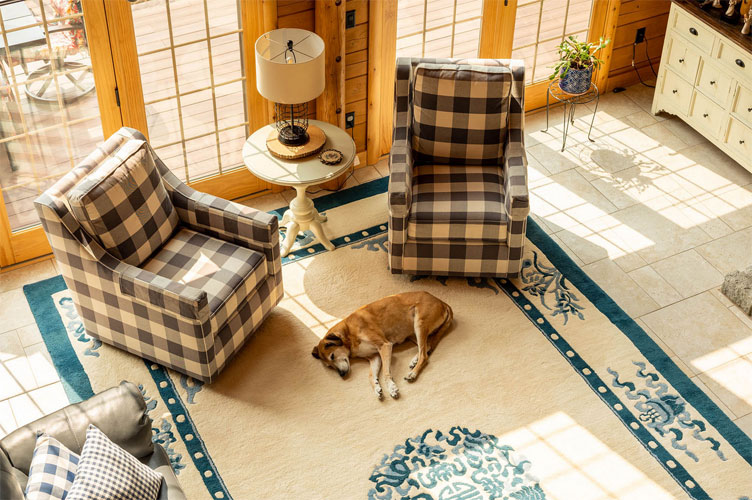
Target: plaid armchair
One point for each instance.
(182, 278)
(458, 198)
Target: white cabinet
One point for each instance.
(706, 79)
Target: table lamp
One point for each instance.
(290, 73)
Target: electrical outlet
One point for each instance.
(350, 119)
(350, 19)
(640, 35)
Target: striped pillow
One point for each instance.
(53, 468)
(108, 472)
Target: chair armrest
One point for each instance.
(516, 198)
(177, 298)
(228, 220)
(400, 178)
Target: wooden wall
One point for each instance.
(301, 14)
(634, 14)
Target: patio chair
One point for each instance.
(155, 268)
(458, 196)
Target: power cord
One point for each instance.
(650, 63)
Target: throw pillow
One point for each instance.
(53, 468)
(108, 472)
(460, 113)
(123, 204)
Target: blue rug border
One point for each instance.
(737, 438)
(55, 335)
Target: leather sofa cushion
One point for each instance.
(120, 412)
(124, 205)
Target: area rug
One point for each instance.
(544, 389)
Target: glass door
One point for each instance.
(49, 113)
(191, 60)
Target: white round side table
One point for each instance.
(300, 174)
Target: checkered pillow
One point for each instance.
(53, 468)
(124, 205)
(460, 113)
(108, 472)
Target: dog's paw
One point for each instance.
(379, 393)
(393, 390)
(413, 362)
(411, 377)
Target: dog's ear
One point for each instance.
(315, 352)
(333, 340)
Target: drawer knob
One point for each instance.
(674, 91)
(739, 63)
(749, 110)
(712, 82)
(704, 115)
(681, 60)
(693, 31)
(741, 141)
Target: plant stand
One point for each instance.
(570, 102)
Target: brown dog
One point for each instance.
(371, 331)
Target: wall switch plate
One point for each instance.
(350, 119)
(640, 35)
(350, 19)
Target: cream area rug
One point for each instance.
(543, 389)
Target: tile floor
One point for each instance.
(654, 213)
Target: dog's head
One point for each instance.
(334, 350)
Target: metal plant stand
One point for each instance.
(570, 102)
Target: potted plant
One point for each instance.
(576, 63)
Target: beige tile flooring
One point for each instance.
(654, 213)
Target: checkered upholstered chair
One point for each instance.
(458, 198)
(178, 277)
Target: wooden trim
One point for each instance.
(122, 38)
(25, 263)
(382, 50)
(497, 29)
(330, 26)
(29, 244)
(98, 38)
(258, 17)
(605, 18)
(6, 237)
(231, 185)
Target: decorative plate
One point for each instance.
(330, 156)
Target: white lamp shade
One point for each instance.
(282, 80)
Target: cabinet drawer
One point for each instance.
(693, 30)
(683, 58)
(740, 138)
(713, 82)
(706, 115)
(743, 105)
(676, 91)
(735, 60)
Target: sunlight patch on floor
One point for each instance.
(571, 462)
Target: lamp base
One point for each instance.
(293, 135)
(316, 141)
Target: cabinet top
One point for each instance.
(712, 18)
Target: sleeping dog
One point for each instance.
(371, 331)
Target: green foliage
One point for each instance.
(574, 54)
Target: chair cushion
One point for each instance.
(457, 203)
(108, 472)
(228, 273)
(124, 205)
(53, 468)
(460, 113)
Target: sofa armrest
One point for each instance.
(10, 487)
(400, 178)
(177, 298)
(516, 197)
(119, 412)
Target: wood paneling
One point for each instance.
(635, 14)
(382, 32)
(330, 26)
